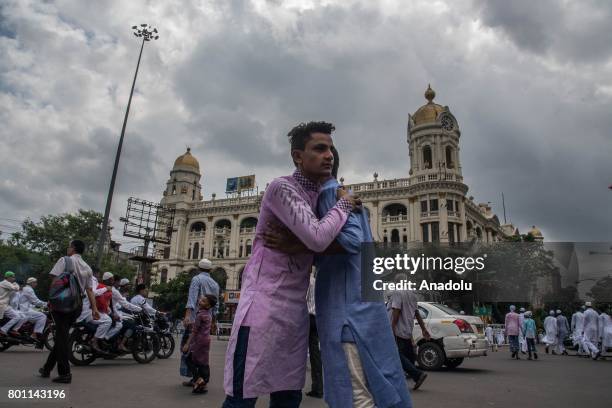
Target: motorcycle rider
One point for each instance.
(27, 302)
(8, 290)
(141, 300)
(121, 304)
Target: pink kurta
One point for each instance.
(274, 284)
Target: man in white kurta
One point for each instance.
(551, 328)
(577, 329)
(27, 302)
(591, 337)
(522, 341)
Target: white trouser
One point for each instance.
(522, 343)
(560, 345)
(577, 341)
(103, 323)
(113, 330)
(38, 318)
(17, 320)
(361, 395)
(589, 342)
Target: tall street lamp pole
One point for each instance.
(147, 33)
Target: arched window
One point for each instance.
(249, 247)
(163, 276)
(248, 224)
(394, 210)
(196, 250)
(427, 158)
(395, 236)
(449, 158)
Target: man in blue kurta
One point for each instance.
(361, 365)
(350, 328)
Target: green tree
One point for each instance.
(34, 250)
(601, 291)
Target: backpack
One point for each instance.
(65, 292)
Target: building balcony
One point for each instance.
(197, 235)
(247, 230)
(390, 219)
(223, 231)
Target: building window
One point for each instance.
(427, 161)
(449, 157)
(249, 247)
(395, 236)
(164, 276)
(449, 205)
(167, 252)
(451, 233)
(189, 254)
(458, 232)
(435, 232)
(433, 205)
(240, 250)
(193, 194)
(405, 239)
(425, 231)
(423, 206)
(196, 250)
(202, 251)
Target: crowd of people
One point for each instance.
(589, 332)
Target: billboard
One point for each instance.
(238, 184)
(231, 296)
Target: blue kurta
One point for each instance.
(342, 317)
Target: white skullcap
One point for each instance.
(107, 275)
(587, 304)
(205, 264)
(124, 281)
(512, 308)
(558, 311)
(522, 309)
(31, 280)
(552, 313)
(528, 313)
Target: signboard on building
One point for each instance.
(238, 184)
(231, 296)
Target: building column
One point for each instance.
(413, 218)
(464, 237)
(210, 237)
(234, 238)
(443, 217)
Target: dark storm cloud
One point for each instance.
(527, 82)
(576, 32)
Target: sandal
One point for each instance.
(199, 387)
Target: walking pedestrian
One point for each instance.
(590, 337)
(197, 346)
(564, 330)
(551, 326)
(529, 333)
(512, 331)
(68, 270)
(578, 329)
(201, 284)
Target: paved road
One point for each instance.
(493, 381)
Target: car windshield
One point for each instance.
(445, 309)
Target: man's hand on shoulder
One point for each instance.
(353, 200)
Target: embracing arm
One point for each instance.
(295, 213)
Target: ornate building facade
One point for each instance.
(427, 206)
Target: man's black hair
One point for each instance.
(140, 287)
(212, 300)
(78, 245)
(336, 162)
(300, 134)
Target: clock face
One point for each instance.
(447, 123)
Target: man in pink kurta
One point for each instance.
(267, 349)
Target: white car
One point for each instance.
(454, 337)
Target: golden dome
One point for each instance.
(187, 160)
(428, 112)
(535, 232)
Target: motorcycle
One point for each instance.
(142, 344)
(166, 339)
(25, 335)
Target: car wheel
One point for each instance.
(453, 362)
(431, 356)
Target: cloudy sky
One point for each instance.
(529, 82)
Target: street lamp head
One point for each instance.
(147, 32)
